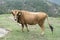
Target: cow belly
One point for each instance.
(31, 22)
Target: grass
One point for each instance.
(35, 30)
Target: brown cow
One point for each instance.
(25, 17)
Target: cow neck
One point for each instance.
(20, 19)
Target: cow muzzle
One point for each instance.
(15, 19)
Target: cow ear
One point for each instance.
(19, 13)
(12, 13)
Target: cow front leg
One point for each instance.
(27, 27)
(22, 27)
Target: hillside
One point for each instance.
(32, 5)
(55, 1)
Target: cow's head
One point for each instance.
(16, 13)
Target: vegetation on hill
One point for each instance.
(30, 5)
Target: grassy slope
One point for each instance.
(35, 30)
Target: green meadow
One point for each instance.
(34, 33)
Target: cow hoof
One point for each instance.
(22, 31)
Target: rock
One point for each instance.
(3, 32)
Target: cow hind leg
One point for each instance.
(27, 27)
(42, 28)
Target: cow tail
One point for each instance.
(50, 25)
